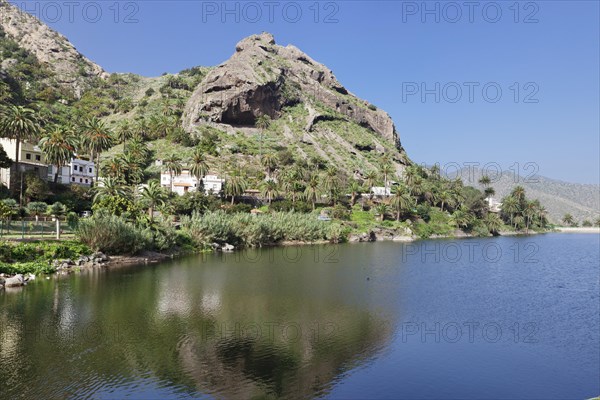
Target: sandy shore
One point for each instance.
(579, 230)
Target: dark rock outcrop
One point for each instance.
(263, 77)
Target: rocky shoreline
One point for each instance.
(101, 260)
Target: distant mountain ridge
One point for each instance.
(580, 200)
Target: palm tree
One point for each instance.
(331, 183)
(263, 122)
(485, 181)
(312, 190)
(518, 220)
(493, 223)
(153, 195)
(568, 219)
(510, 206)
(133, 170)
(269, 190)
(518, 193)
(59, 147)
(381, 209)
(541, 215)
(489, 192)
(114, 168)
(235, 185)
(461, 217)
(416, 189)
(18, 123)
(400, 201)
(173, 165)
(269, 161)
(386, 170)
(355, 190)
(137, 149)
(444, 197)
(410, 175)
(529, 212)
(199, 167)
(110, 188)
(370, 179)
(124, 132)
(96, 139)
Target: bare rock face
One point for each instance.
(70, 68)
(262, 77)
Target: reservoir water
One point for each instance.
(509, 317)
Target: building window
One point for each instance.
(86, 181)
(90, 170)
(28, 156)
(38, 157)
(80, 180)
(73, 179)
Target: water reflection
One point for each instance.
(268, 323)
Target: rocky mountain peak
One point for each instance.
(262, 78)
(264, 39)
(69, 67)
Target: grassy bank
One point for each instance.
(37, 257)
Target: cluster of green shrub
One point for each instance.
(259, 230)
(116, 235)
(37, 257)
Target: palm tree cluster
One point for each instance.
(522, 213)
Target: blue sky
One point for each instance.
(387, 52)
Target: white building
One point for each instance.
(381, 191)
(78, 172)
(493, 205)
(82, 172)
(186, 182)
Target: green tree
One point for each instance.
(173, 166)
(36, 188)
(568, 219)
(400, 201)
(381, 210)
(262, 123)
(386, 171)
(5, 160)
(58, 146)
(97, 138)
(510, 207)
(110, 188)
(493, 223)
(312, 190)
(153, 195)
(269, 190)
(269, 161)
(235, 185)
(355, 190)
(461, 217)
(199, 167)
(371, 179)
(18, 123)
(124, 132)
